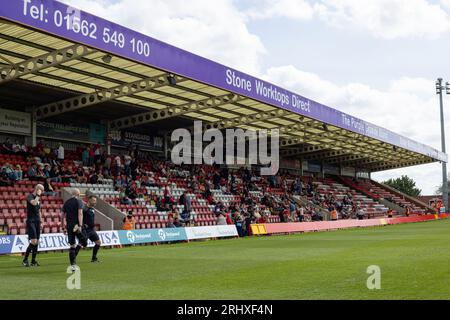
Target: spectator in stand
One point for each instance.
(360, 213)
(272, 181)
(408, 211)
(16, 147)
(118, 164)
(91, 156)
(334, 214)
(186, 218)
(85, 157)
(228, 218)
(55, 174)
(221, 220)
(238, 222)
(167, 195)
(107, 164)
(132, 192)
(67, 175)
(47, 154)
(170, 223)
(7, 147)
(36, 173)
(177, 223)
(153, 199)
(345, 214)
(248, 221)
(48, 189)
(262, 219)
(81, 176)
(185, 200)
(94, 177)
(301, 214)
(9, 171)
(32, 172)
(97, 153)
(219, 207)
(317, 216)
(293, 211)
(216, 180)
(134, 168)
(18, 173)
(47, 170)
(390, 213)
(60, 153)
(39, 149)
(4, 179)
(127, 163)
(126, 201)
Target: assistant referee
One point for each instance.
(33, 225)
(72, 222)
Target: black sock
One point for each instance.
(77, 250)
(95, 251)
(27, 253)
(34, 253)
(72, 256)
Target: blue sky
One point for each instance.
(374, 59)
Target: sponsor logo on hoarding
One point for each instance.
(58, 241)
(211, 232)
(138, 236)
(131, 236)
(19, 243)
(5, 240)
(109, 238)
(6, 243)
(162, 234)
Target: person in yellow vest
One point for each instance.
(334, 215)
(128, 222)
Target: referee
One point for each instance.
(33, 225)
(72, 223)
(89, 227)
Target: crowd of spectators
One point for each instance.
(133, 171)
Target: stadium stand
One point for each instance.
(152, 191)
(382, 192)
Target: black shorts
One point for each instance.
(91, 234)
(72, 237)
(33, 230)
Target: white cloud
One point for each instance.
(408, 107)
(293, 9)
(387, 19)
(217, 31)
(446, 4)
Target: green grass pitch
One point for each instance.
(414, 261)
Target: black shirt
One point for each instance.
(89, 217)
(32, 211)
(71, 208)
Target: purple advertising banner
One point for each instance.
(70, 23)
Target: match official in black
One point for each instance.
(33, 225)
(89, 227)
(72, 223)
